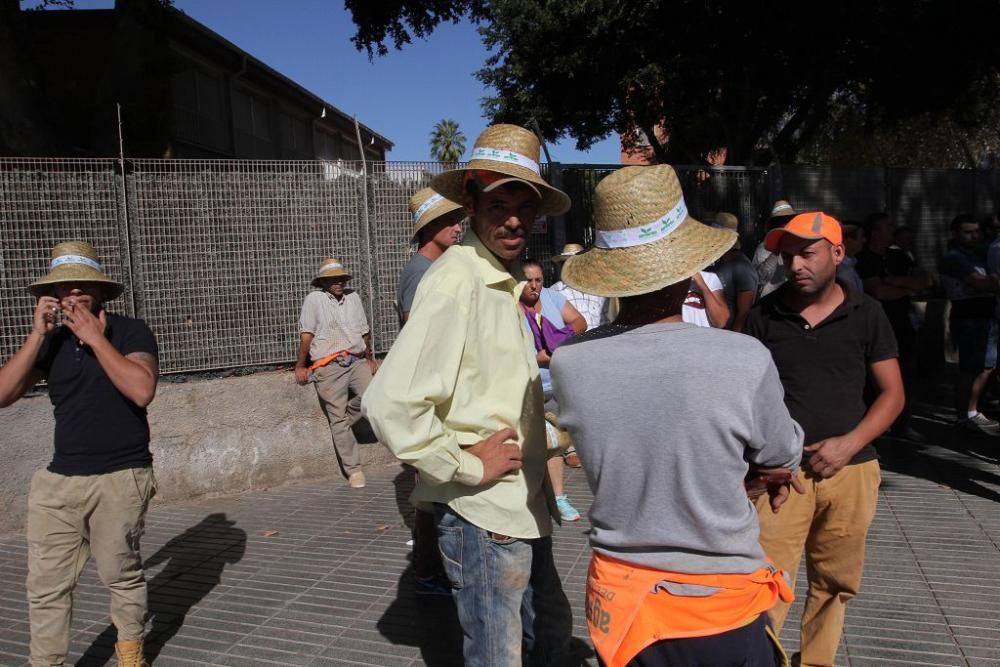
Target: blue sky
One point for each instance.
(401, 95)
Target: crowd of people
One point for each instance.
(723, 410)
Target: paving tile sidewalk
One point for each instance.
(317, 574)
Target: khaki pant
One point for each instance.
(71, 518)
(334, 386)
(831, 522)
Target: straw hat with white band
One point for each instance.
(728, 221)
(75, 262)
(330, 268)
(509, 150)
(569, 250)
(644, 238)
(427, 206)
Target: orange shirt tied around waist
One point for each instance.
(630, 607)
(329, 359)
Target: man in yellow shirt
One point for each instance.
(460, 399)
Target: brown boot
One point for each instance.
(130, 653)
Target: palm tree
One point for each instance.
(447, 142)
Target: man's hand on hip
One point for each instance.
(499, 457)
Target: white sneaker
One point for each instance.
(981, 424)
(357, 480)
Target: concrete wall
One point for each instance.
(208, 437)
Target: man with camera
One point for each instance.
(91, 500)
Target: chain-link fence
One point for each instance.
(217, 255)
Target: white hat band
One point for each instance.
(654, 231)
(433, 199)
(331, 265)
(500, 155)
(75, 259)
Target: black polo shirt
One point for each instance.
(98, 430)
(824, 368)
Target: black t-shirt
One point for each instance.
(894, 262)
(824, 368)
(98, 430)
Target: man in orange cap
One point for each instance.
(826, 338)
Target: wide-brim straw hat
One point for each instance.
(569, 250)
(510, 150)
(724, 220)
(426, 205)
(75, 262)
(330, 267)
(645, 239)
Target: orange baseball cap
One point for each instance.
(814, 226)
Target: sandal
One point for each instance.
(570, 458)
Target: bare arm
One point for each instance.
(301, 372)
(744, 302)
(572, 317)
(717, 308)
(715, 302)
(831, 455)
(983, 283)
(19, 374)
(135, 375)
(879, 289)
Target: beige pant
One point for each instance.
(71, 518)
(334, 386)
(831, 522)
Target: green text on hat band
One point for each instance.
(654, 231)
(75, 259)
(501, 155)
(433, 199)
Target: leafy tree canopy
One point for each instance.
(765, 81)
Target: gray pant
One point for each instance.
(335, 385)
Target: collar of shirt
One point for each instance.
(852, 300)
(488, 265)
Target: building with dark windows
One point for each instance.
(184, 92)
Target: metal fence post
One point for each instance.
(367, 235)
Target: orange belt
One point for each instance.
(328, 359)
(629, 606)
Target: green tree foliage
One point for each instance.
(765, 81)
(447, 142)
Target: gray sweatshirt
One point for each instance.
(665, 418)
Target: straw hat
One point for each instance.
(569, 250)
(644, 237)
(509, 150)
(427, 206)
(330, 268)
(728, 221)
(75, 261)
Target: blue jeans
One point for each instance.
(508, 594)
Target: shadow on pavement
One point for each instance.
(430, 622)
(938, 451)
(194, 560)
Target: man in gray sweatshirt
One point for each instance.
(678, 575)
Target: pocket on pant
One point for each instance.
(140, 485)
(451, 541)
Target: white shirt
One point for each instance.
(694, 305)
(335, 325)
(593, 308)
